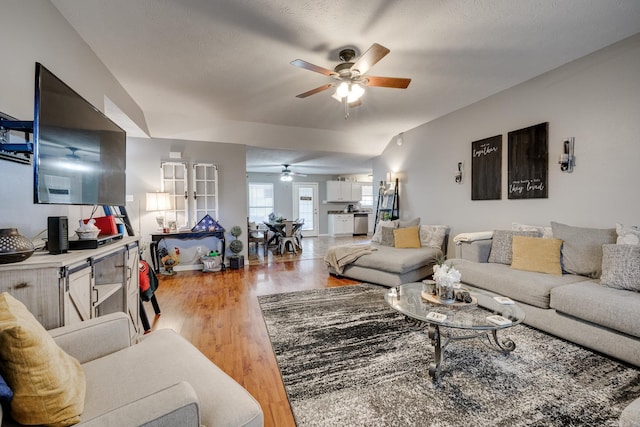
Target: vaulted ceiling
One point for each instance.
(220, 70)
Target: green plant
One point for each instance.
(236, 245)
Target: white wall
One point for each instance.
(595, 99)
(34, 31)
(143, 175)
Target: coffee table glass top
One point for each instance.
(409, 301)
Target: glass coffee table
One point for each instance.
(415, 301)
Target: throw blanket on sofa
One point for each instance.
(339, 256)
(472, 237)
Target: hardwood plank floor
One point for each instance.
(219, 314)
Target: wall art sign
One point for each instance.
(529, 162)
(486, 169)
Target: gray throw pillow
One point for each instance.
(501, 244)
(582, 248)
(386, 238)
(621, 267)
(409, 223)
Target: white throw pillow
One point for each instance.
(628, 235)
(377, 236)
(545, 232)
(433, 235)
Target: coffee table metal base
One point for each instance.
(440, 340)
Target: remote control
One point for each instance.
(499, 320)
(504, 300)
(436, 317)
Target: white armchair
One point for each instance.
(161, 381)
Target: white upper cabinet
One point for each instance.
(344, 191)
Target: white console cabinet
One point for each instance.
(344, 191)
(79, 285)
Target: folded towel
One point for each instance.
(340, 256)
(472, 237)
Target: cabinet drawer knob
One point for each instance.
(21, 285)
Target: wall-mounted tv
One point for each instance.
(79, 154)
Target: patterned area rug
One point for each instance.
(347, 359)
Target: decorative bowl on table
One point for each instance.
(13, 246)
(87, 234)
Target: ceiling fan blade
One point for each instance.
(314, 91)
(374, 54)
(297, 174)
(393, 82)
(312, 67)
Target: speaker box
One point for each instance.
(57, 234)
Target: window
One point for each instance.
(205, 191)
(174, 182)
(260, 201)
(201, 184)
(367, 196)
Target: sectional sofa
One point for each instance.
(580, 284)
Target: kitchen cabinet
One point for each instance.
(341, 224)
(79, 285)
(344, 191)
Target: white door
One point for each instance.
(305, 206)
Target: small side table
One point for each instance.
(184, 235)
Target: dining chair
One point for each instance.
(288, 238)
(258, 236)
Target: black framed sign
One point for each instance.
(529, 162)
(486, 169)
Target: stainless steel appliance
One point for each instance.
(360, 223)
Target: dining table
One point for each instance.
(277, 228)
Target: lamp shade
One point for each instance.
(158, 201)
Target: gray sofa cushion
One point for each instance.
(398, 260)
(612, 308)
(582, 248)
(524, 286)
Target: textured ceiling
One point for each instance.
(220, 70)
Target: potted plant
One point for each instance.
(236, 261)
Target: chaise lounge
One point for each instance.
(400, 252)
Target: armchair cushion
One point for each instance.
(94, 338)
(48, 384)
(163, 358)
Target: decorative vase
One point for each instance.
(445, 291)
(13, 246)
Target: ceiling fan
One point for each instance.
(350, 76)
(287, 175)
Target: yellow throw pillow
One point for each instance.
(407, 237)
(48, 385)
(536, 254)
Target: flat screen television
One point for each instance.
(79, 154)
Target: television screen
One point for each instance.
(79, 154)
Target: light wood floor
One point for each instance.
(219, 314)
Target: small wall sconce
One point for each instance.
(400, 139)
(458, 176)
(567, 160)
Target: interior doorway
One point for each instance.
(305, 206)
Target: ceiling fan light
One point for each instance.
(343, 90)
(356, 92)
(286, 178)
